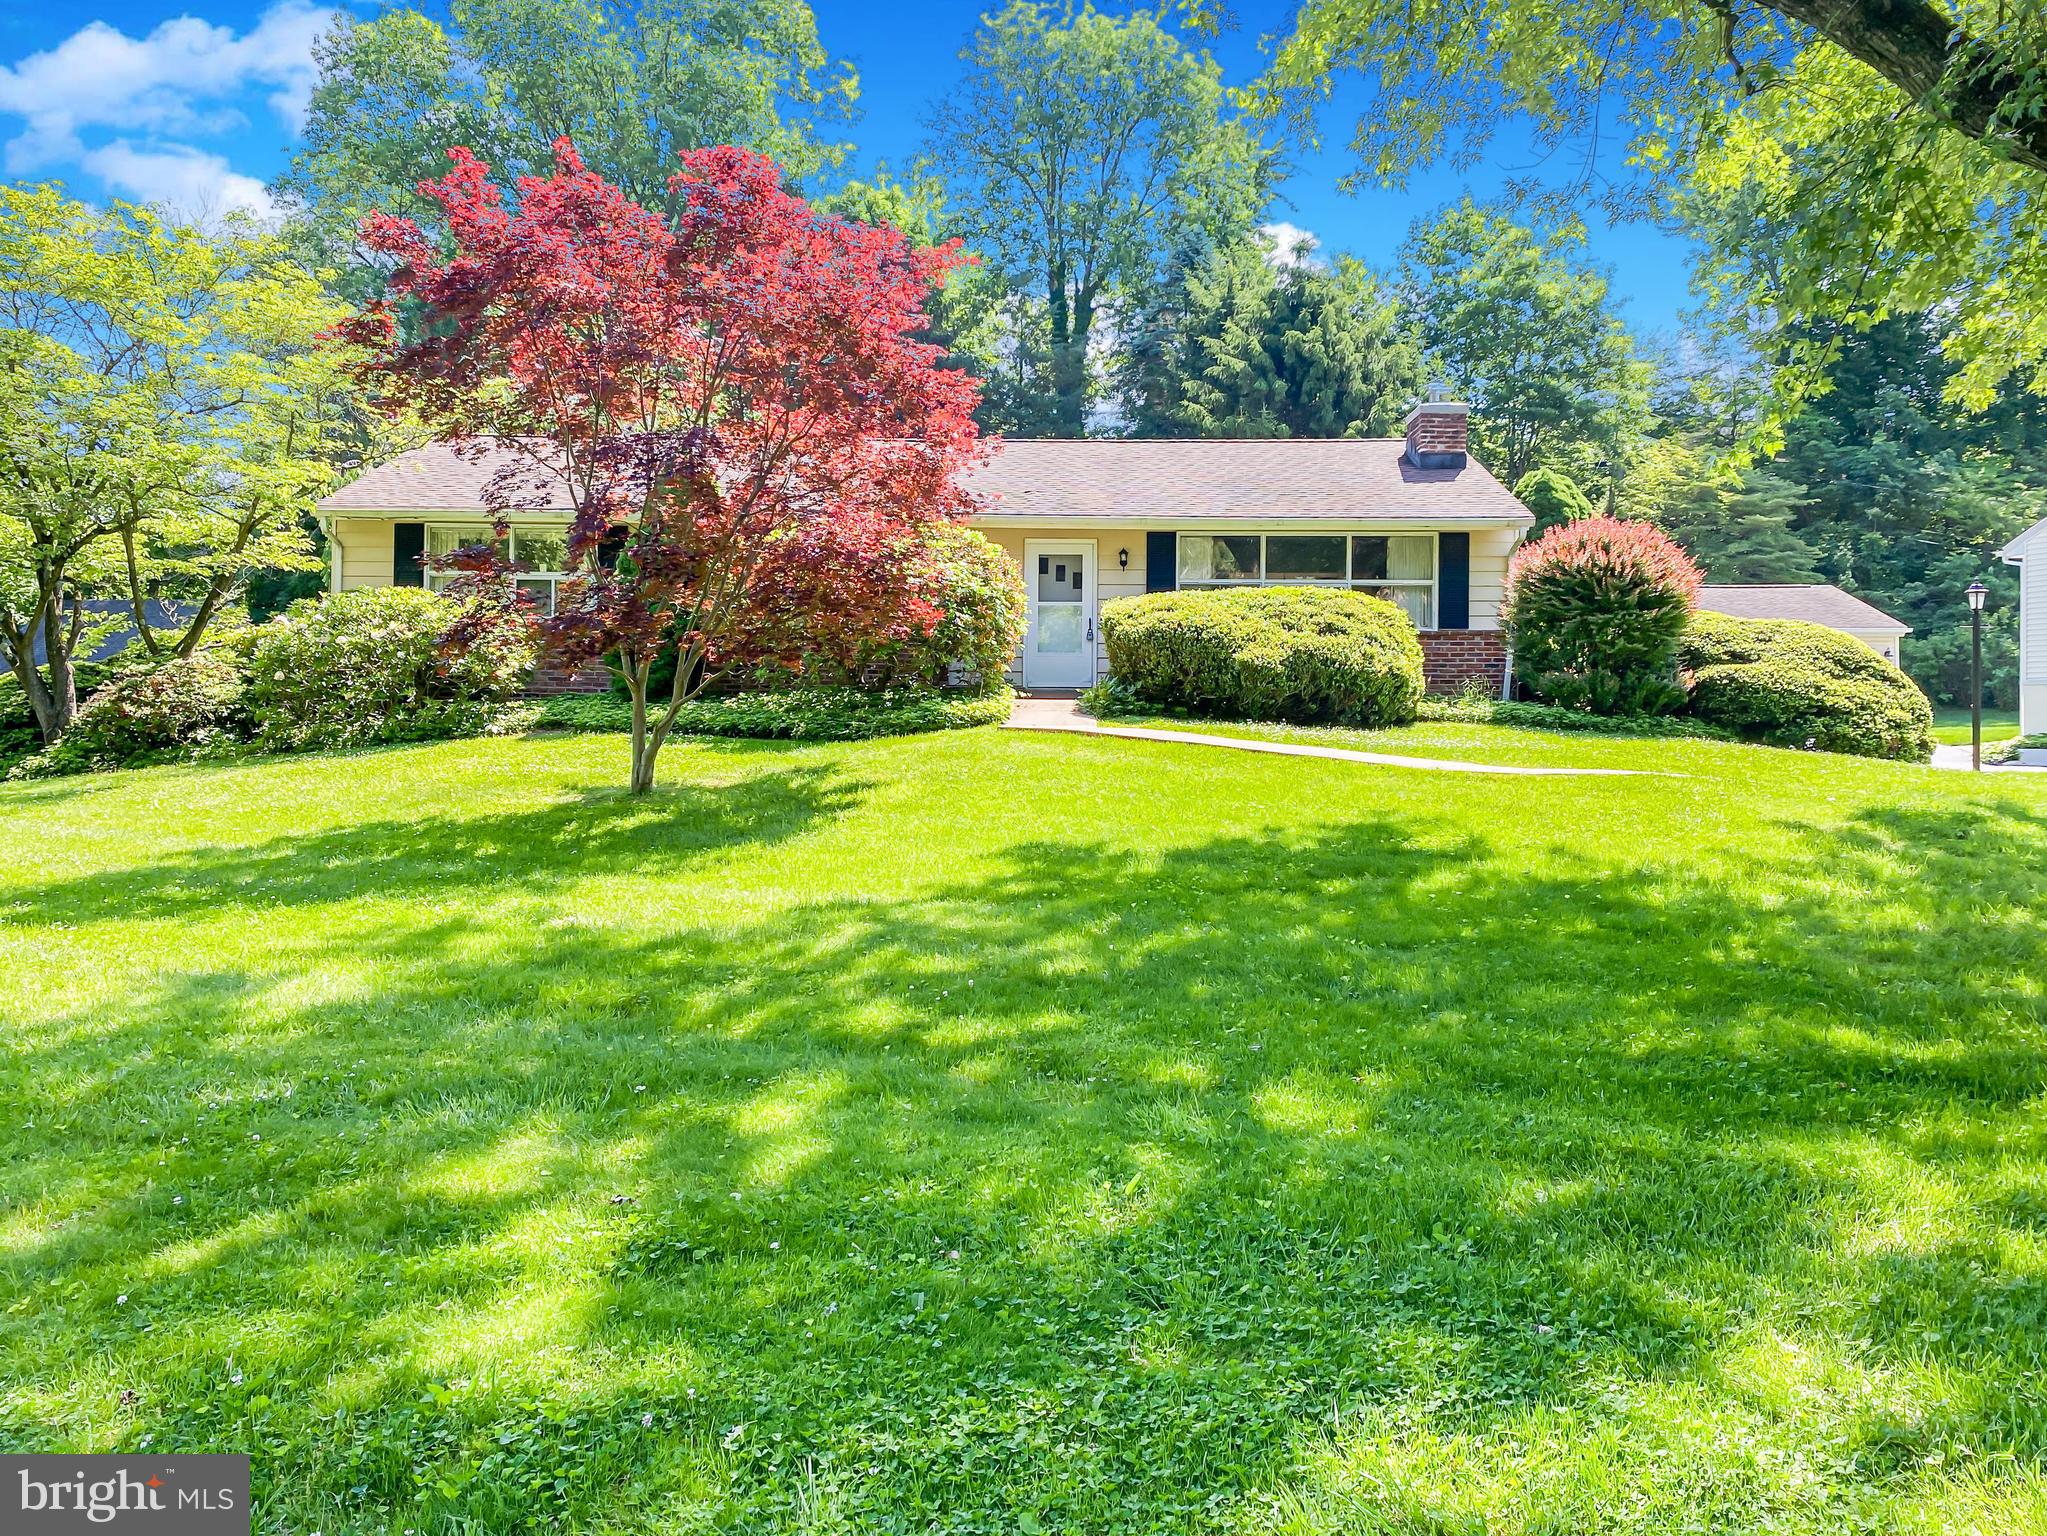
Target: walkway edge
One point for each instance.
(1076, 724)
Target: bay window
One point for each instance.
(544, 550)
(1399, 567)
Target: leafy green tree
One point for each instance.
(632, 85)
(1240, 346)
(1525, 331)
(1747, 532)
(1909, 499)
(1883, 487)
(1554, 497)
(967, 310)
(169, 416)
(1077, 145)
(1843, 159)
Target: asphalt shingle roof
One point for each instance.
(1147, 481)
(1814, 604)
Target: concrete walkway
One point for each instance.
(1049, 712)
(1958, 757)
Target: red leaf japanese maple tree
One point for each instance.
(719, 396)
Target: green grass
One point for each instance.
(1951, 726)
(993, 1132)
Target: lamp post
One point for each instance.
(1977, 592)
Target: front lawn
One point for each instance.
(1952, 727)
(995, 1132)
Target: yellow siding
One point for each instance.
(362, 556)
(1112, 580)
(361, 552)
(1490, 549)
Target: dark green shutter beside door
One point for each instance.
(1161, 562)
(408, 543)
(1453, 581)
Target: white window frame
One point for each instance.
(1431, 586)
(484, 534)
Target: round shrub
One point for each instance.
(979, 593)
(1304, 654)
(375, 666)
(187, 705)
(1594, 610)
(1792, 684)
(1554, 498)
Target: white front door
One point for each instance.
(1059, 650)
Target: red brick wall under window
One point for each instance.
(592, 677)
(1451, 657)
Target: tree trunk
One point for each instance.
(195, 631)
(644, 746)
(1069, 356)
(1960, 80)
(58, 705)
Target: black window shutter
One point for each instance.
(408, 543)
(1161, 562)
(1453, 581)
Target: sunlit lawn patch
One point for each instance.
(998, 1132)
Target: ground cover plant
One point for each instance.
(980, 1132)
(795, 714)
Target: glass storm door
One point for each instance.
(1059, 651)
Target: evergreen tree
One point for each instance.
(1745, 533)
(1908, 498)
(1234, 346)
(1554, 497)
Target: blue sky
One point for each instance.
(198, 107)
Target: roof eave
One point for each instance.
(1281, 520)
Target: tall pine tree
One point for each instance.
(1237, 345)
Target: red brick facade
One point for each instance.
(1452, 657)
(592, 677)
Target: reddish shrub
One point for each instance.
(1594, 609)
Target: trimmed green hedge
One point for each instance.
(796, 714)
(1302, 654)
(1792, 684)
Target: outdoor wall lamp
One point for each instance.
(1123, 558)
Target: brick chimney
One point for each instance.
(1437, 431)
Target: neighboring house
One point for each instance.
(1814, 605)
(1413, 519)
(2029, 553)
(161, 615)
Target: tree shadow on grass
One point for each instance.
(1086, 1191)
(598, 833)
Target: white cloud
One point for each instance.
(187, 181)
(1289, 245)
(181, 78)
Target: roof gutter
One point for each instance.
(1419, 522)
